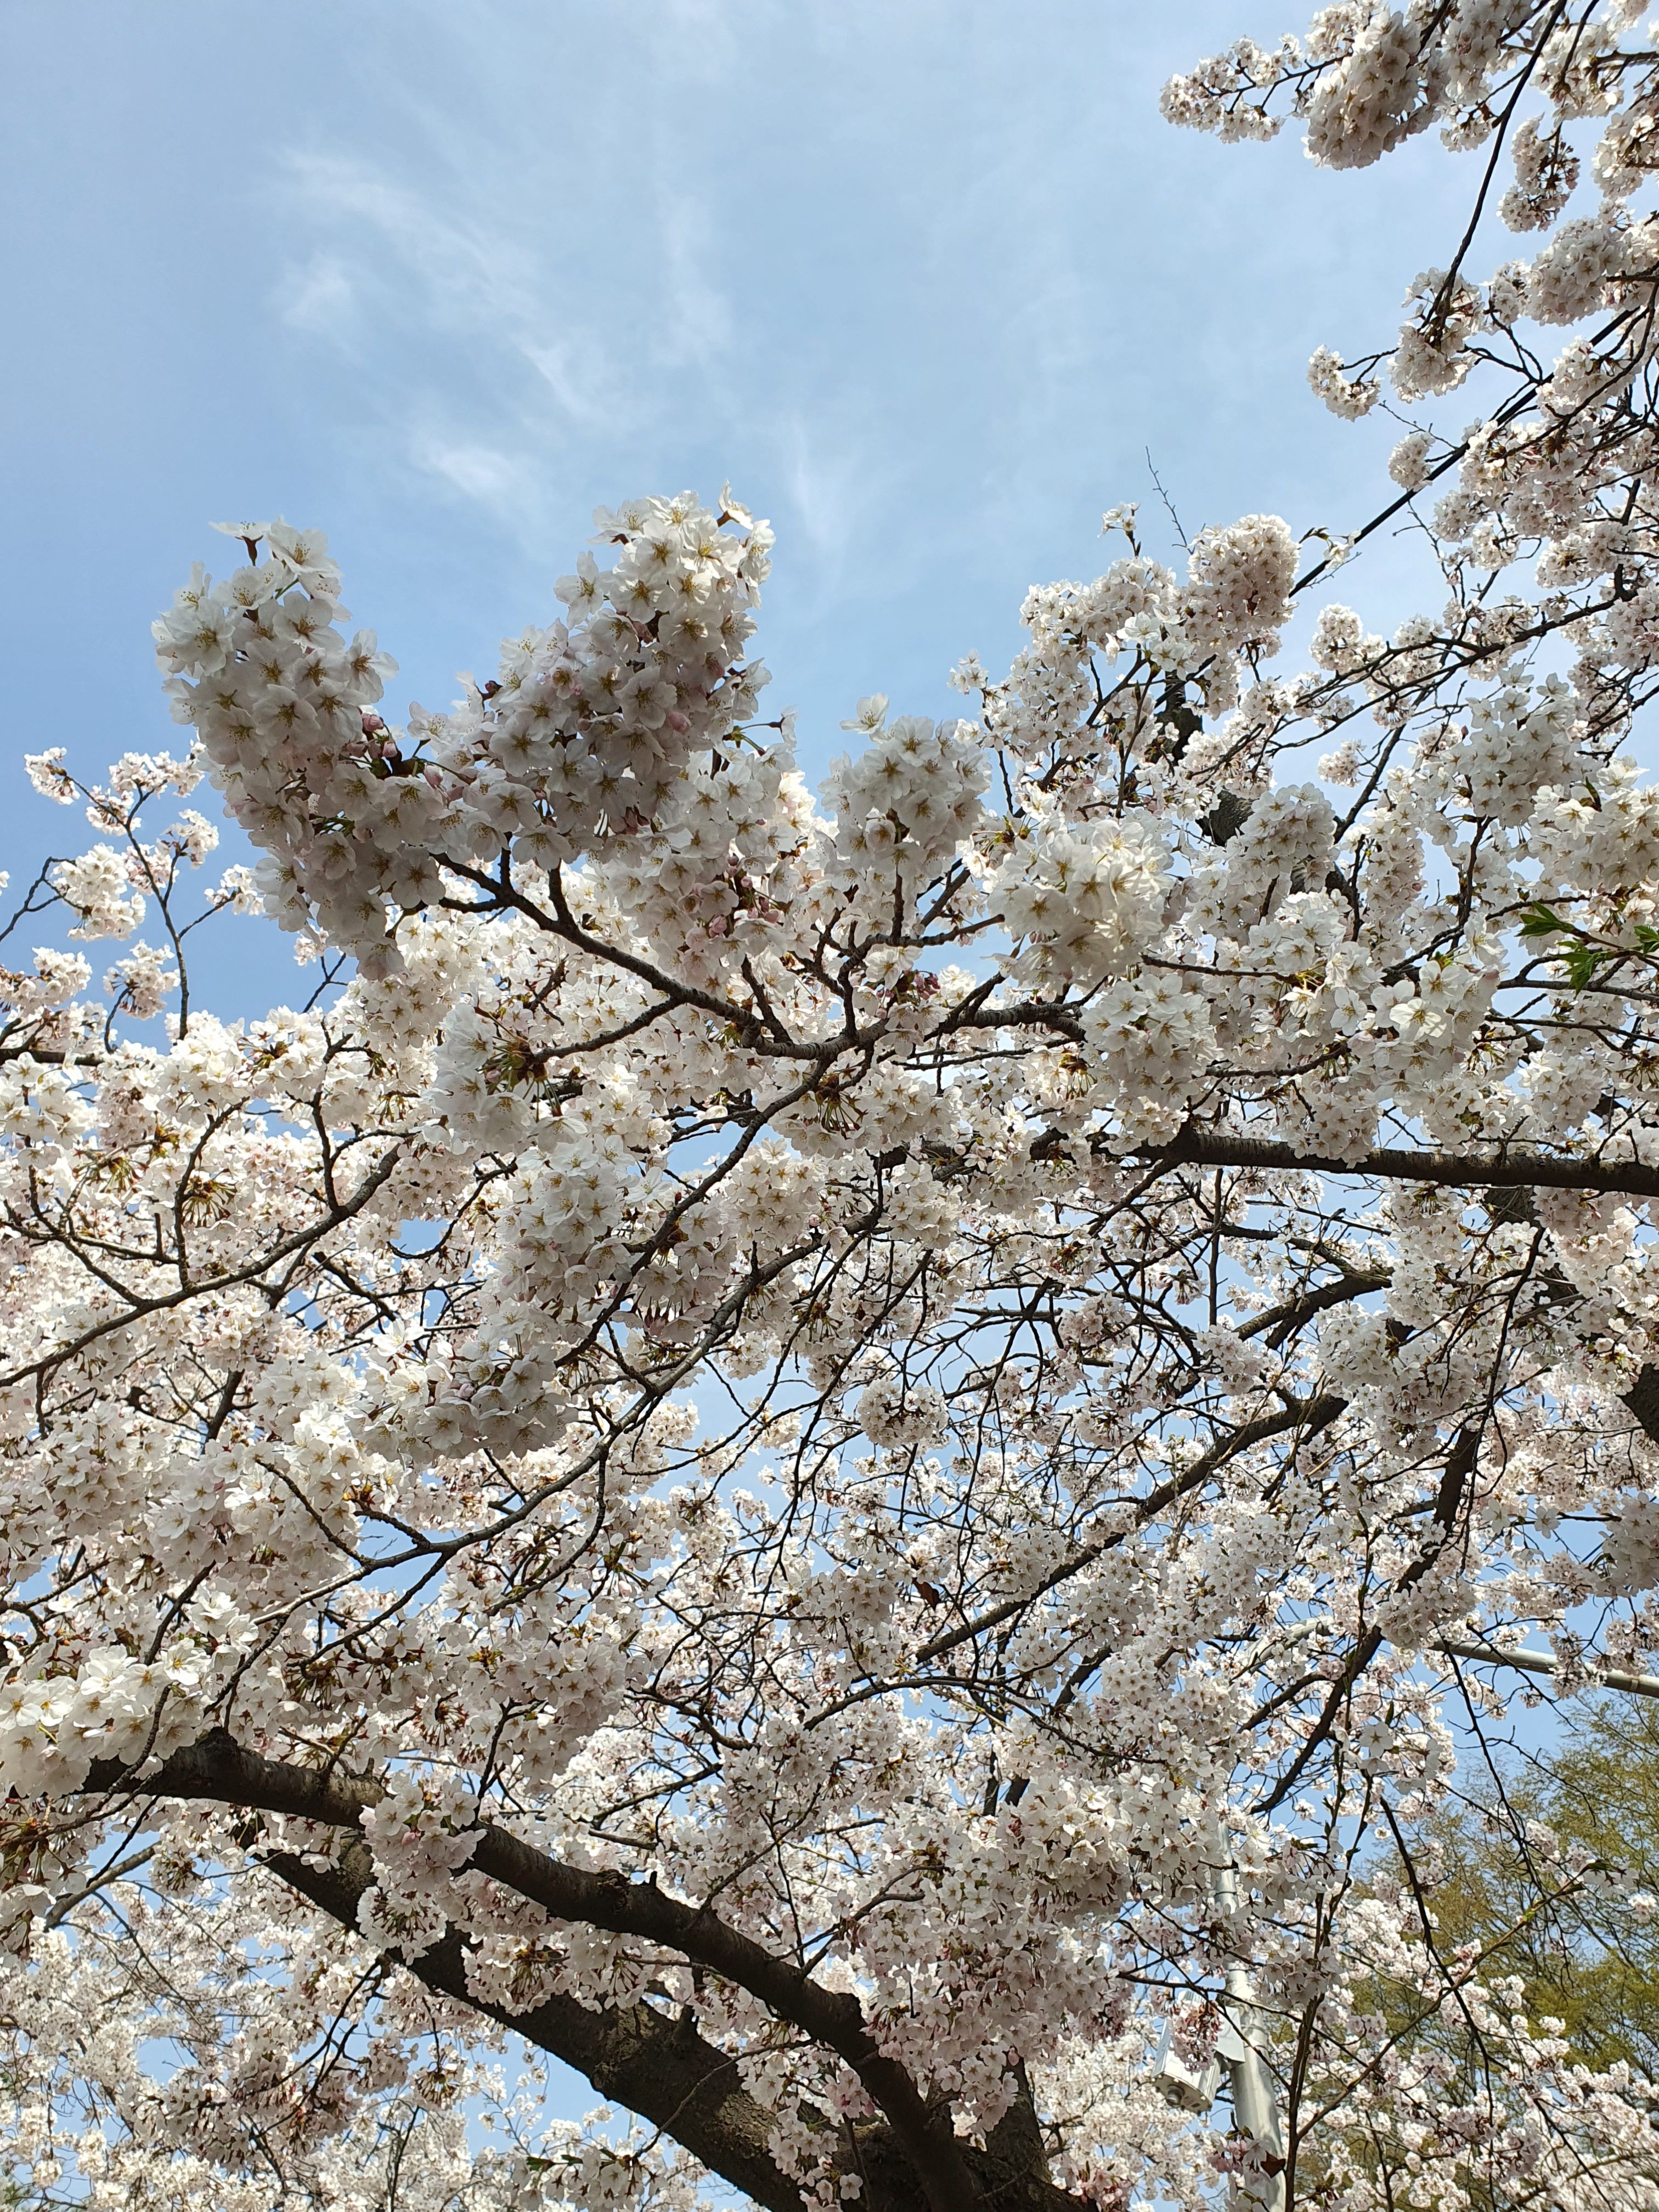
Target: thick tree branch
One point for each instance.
(670, 2075)
(219, 1770)
(660, 2068)
(1211, 1147)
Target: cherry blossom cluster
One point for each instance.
(578, 740)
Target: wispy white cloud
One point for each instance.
(320, 298)
(578, 375)
(482, 367)
(877, 264)
(832, 488)
(482, 473)
(695, 323)
(468, 272)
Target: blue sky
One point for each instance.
(924, 281)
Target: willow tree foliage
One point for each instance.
(850, 1458)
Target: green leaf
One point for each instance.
(1581, 963)
(1539, 921)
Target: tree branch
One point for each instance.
(1210, 1147)
(219, 1770)
(660, 2068)
(1309, 1416)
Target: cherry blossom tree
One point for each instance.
(865, 1463)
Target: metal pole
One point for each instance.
(1256, 2106)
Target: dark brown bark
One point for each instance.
(1642, 1398)
(663, 2068)
(1214, 1147)
(660, 2068)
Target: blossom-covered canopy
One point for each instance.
(844, 1457)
